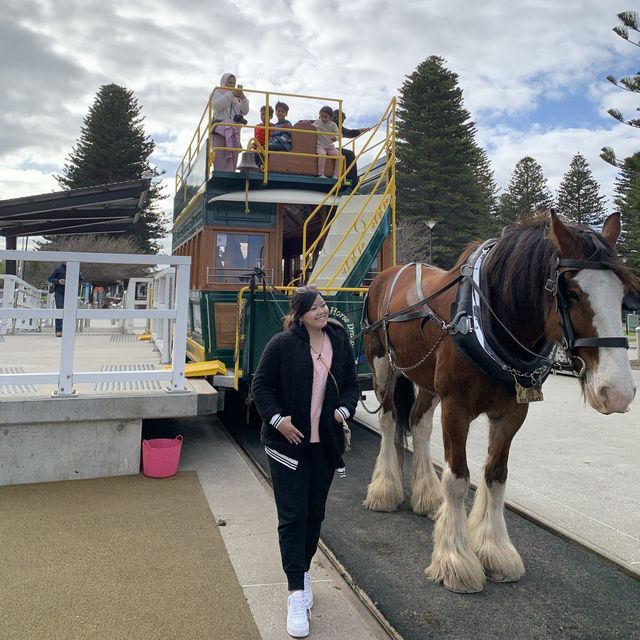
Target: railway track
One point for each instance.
(568, 591)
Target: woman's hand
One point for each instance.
(287, 429)
(338, 417)
(238, 93)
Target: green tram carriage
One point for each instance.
(257, 233)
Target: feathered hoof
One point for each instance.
(458, 576)
(427, 504)
(501, 563)
(502, 575)
(383, 497)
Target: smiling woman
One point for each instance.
(305, 387)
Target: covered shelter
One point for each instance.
(104, 208)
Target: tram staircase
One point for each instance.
(352, 241)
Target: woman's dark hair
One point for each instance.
(302, 300)
(327, 110)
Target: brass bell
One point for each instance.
(248, 162)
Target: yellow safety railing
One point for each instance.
(387, 175)
(205, 125)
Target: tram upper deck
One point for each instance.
(274, 223)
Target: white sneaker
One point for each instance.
(308, 594)
(297, 620)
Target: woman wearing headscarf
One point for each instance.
(229, 105)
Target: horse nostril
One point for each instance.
(603, 394)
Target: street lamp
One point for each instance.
(430, 224)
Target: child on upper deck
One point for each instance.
(325, 140)
(281, 140)
(259, 131)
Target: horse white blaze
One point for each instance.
(610, 388)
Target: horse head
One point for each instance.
(590, 283)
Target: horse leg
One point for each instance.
(385, 492)
(426, 494)
(453, 561)
(487, 527)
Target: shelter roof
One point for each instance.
(104, 208)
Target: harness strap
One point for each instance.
(601, 342)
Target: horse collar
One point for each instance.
(476, 339)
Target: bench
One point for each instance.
(288, 162)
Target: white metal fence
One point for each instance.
(15, 293)
(170, 320)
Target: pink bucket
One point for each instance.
(161, 456)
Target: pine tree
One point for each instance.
(628, 202)
(579, 198)
(113, 147)
(628, 20)
(527, 193)
(442, 173)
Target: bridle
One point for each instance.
(559, 290)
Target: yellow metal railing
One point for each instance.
(386, 124)
(205, 125)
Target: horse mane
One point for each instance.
(519, 265)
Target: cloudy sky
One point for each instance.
(533, 72)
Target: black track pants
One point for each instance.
(301, 495)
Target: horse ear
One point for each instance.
(563, 238)
(611, 229)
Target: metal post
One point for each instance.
(69, 320)
(179, 352)
(430, 224)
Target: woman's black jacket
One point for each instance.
(283, 381)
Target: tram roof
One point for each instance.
(283, 196)
(104, 208)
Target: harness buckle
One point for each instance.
(551, 286)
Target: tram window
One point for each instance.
(237, 254)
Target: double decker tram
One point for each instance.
(257, 233)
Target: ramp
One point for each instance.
(358, 216)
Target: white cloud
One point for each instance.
(509, 57)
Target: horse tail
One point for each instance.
(404, 396)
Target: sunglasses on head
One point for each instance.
(307, 287)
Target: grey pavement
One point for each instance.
(569, 465)
(242, 503)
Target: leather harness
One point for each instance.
(475, 337)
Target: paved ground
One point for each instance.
(569, 465)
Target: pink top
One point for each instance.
(321, 366)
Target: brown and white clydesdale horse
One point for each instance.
(542, 283)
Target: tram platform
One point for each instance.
(96, 431)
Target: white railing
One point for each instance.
(163, 287)
(15, 293)
(175, 315)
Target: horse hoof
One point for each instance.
(427, 509)
(383, 497)
(496, 576)
(380, 505)
(454, 583)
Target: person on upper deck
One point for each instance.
(325, 140)
(281, 140)
(259, 130)
(229, 105)
(349, 156)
